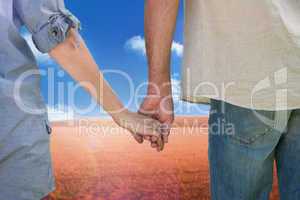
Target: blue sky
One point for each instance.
(114, 32)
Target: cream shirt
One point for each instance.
(244, 52)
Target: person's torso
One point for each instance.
(241, 42)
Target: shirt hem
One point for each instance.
(49, 191)
(206, 101)
(198, 100)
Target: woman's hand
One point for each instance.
(141, 126)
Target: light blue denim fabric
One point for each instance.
(243, 145)
(25, 162)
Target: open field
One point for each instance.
(95, 160)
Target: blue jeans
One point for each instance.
(243, 145)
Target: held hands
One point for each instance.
(153, 121)
(160, 108)
(141, 126)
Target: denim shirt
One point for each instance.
(23, 134)
(48, 21)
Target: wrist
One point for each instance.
(160, 89)
(117, 117)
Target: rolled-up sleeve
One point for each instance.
(48, 21)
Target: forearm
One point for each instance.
(160, 22)
(74, 57)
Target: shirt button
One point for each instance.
(54, 33)
(49, 129)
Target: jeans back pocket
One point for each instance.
(240, 124)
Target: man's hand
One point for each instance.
(161, 109)
(159, 37)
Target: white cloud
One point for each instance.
(137, 44)
(41, 58)
(60, 113)
(177, 48)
